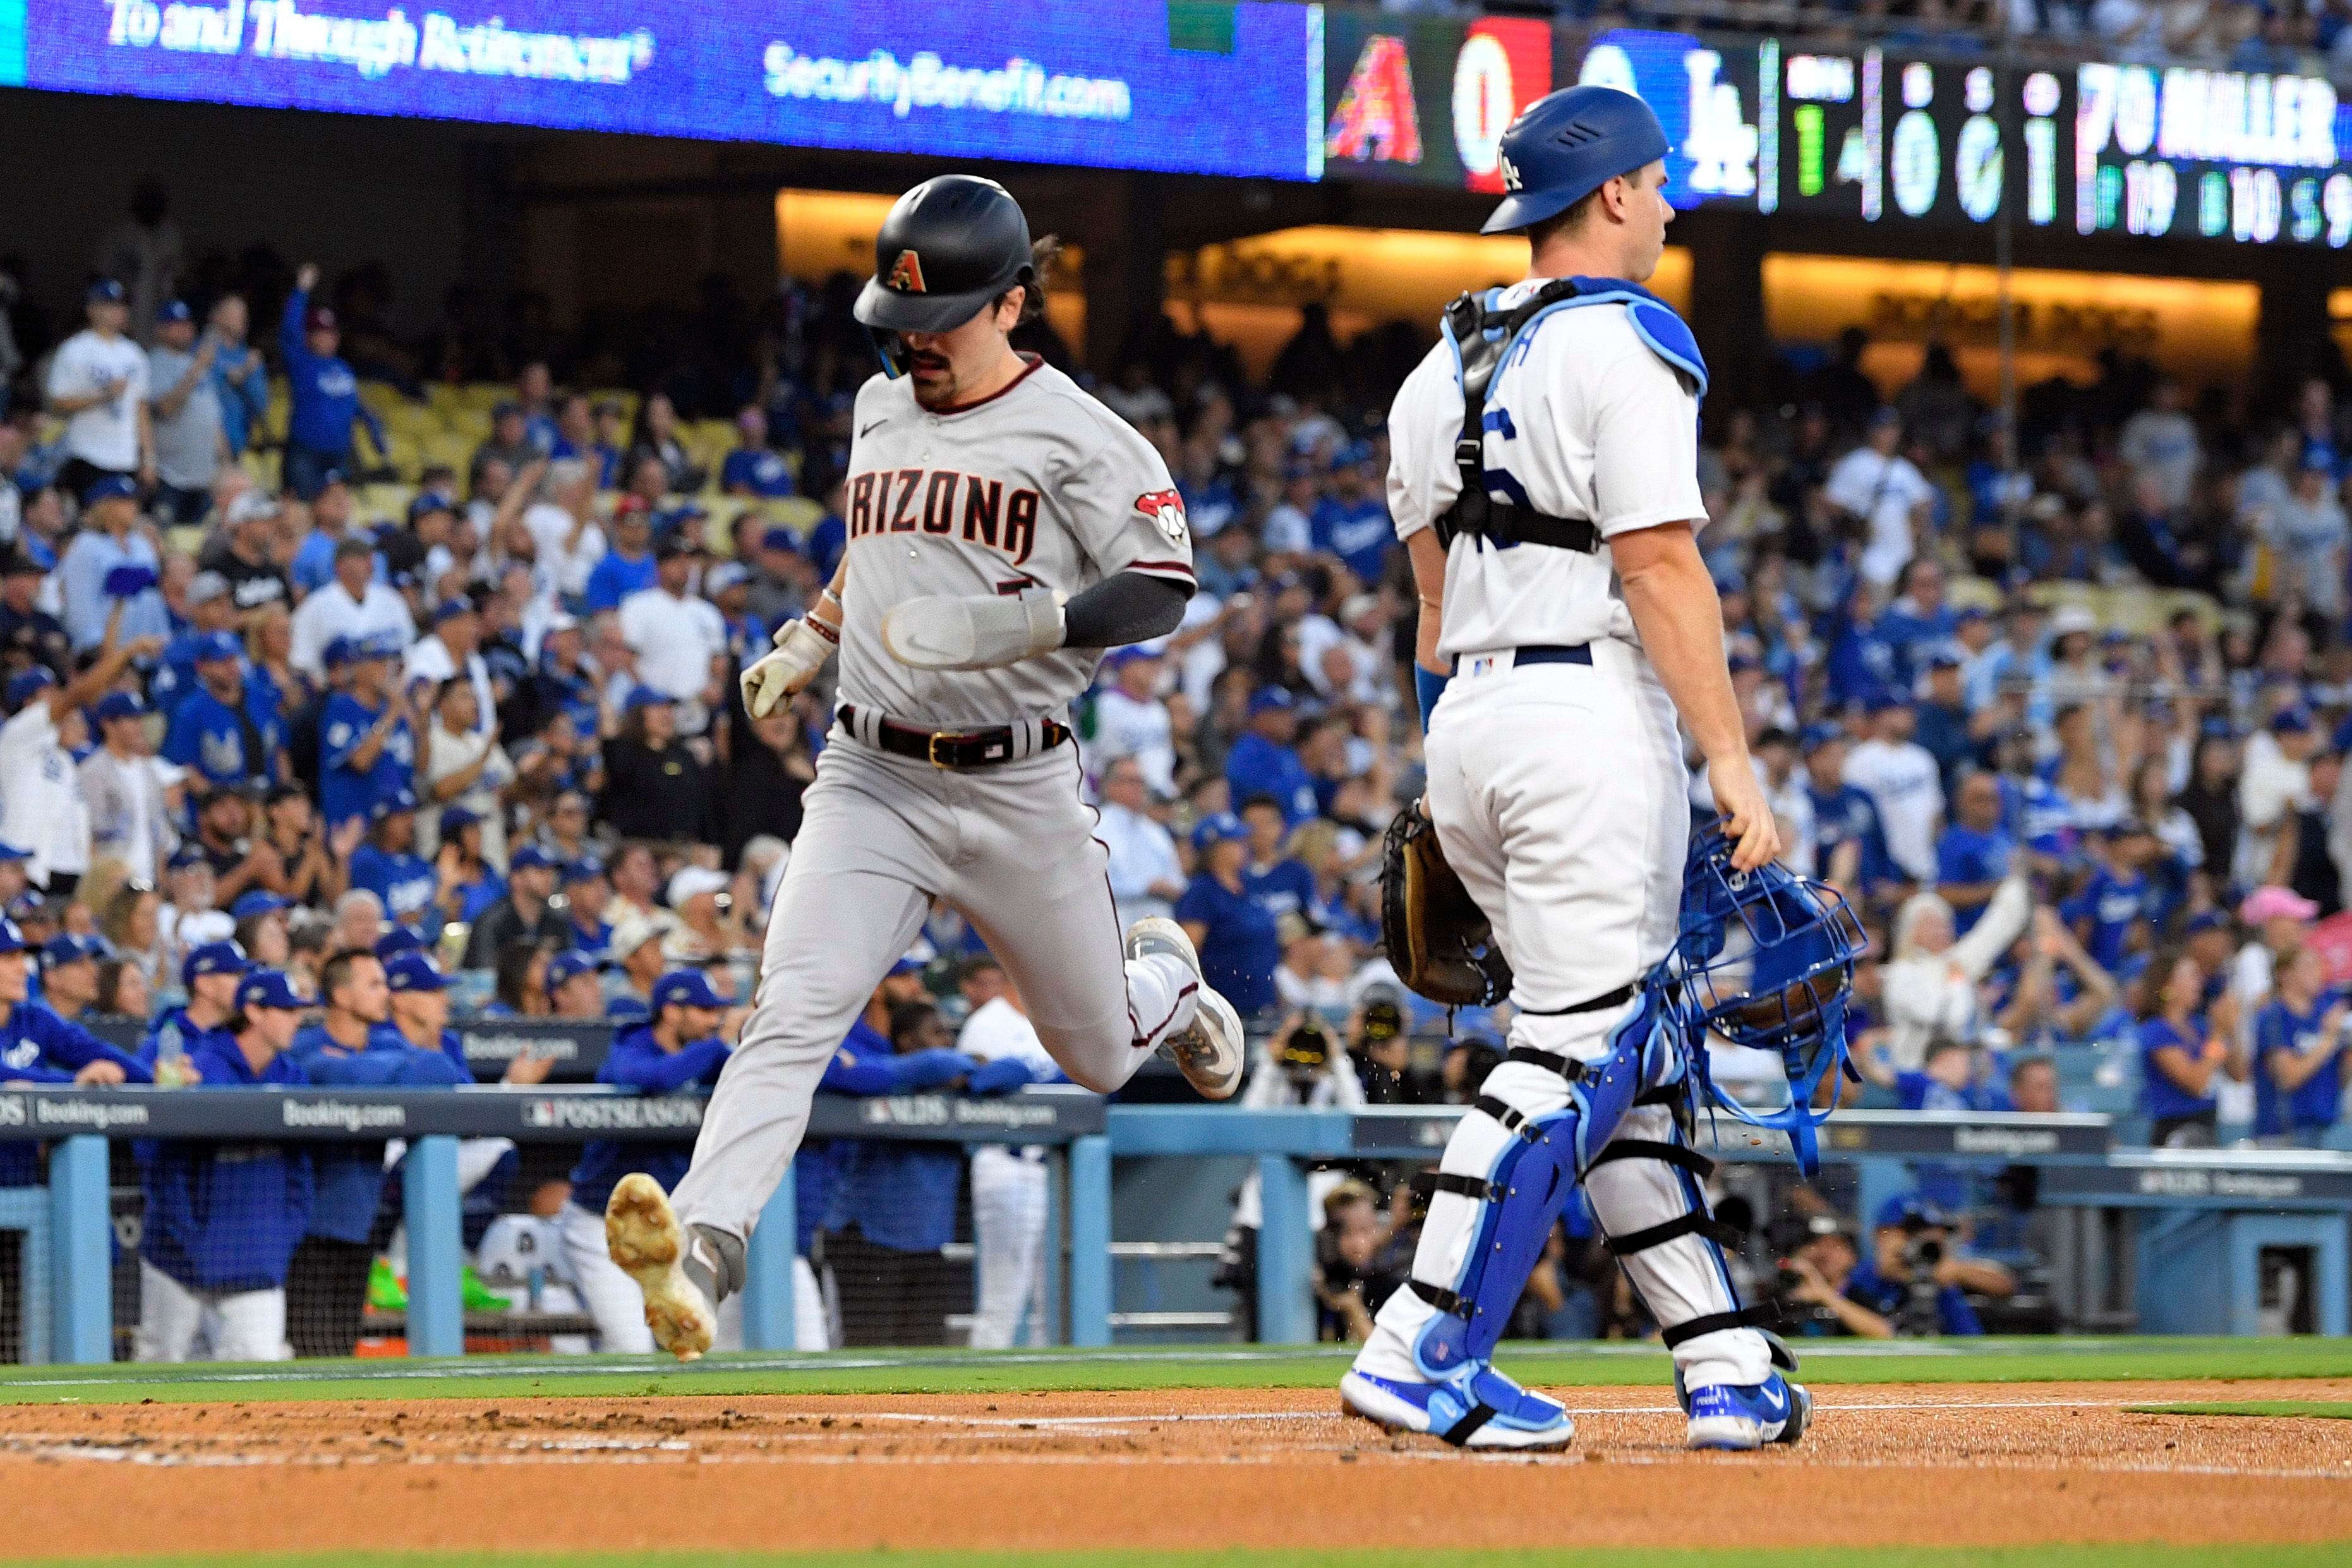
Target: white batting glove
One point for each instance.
(802, 647)
(946, 632)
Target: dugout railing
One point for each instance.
(2198, 1227)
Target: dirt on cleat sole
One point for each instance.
(645, 1242)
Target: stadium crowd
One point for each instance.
(303, 720)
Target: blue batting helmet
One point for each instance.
(1567, 144)
(1765, 959)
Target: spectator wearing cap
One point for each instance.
(219, 1234)
(451, 650)
(572, 988)
(680, 640)
(1862, 661)
(508, 441)
(227, 731)
(753, 467)
(1146, 875)
(212, 975)
(1288, 529)
(208, 609)
(1901, 778)
(29, 635)
(704, 934)
(41, 807)
(130, 816)
(420, 1011)
(782, 575)
(677, 1047)
(1880, 1281)
(223, 815)
(2272, 785)
(185, 416)
(524, 915)
(1883, 492)
(727, 585)
(111, 566)
(587, 895)
(1130, 719)
(635, 953)
(97, 385)
(323, 390)
(656, 786)
(1352, 522)
(261, 917)
(69, 973)
(352, 1044)
(1263, 761)
(14, 883)
(2299, 1056)
(1945, 727)
(354, 605)
(2305, 536)
(313, 564)
(387, 866)
(38, 1047)
(1238, 937)
(367, 749)
(628, 567)
(244, 554)
(1919, 622)
(240, 376)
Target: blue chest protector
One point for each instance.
(1482, 338)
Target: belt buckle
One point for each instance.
(931, 747)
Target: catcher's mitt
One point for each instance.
(1438, 939)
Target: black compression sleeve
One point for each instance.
(1125, 608)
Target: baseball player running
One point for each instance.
(1005, 528)
(1562, 592)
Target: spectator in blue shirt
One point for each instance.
(222, 1221)
(1237, 936)
(112, 562)
(829, 536)
(1918, 622)
(1264, 761)
(38, 1047)
(677, 1048)
(628, 566)
(1862, 662)
(323, 391)
(1914, 1278)
(387, 866)
(210, 608)
(2115, 914)
(1974, 856)
(1352, 522)
(354, 1045)
(367, 748)
(1849, 840)
(2180, 1055)
(753, 467)
(240, 377)
(227, 729)
(1281, 884)
(2300, 1060)
(1947, 729)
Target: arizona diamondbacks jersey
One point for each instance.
(1583, 420)
(1039, 484)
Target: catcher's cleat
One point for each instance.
(1742, 1419)
(1477, 1408)
(1211, 1051)
(643, 1238)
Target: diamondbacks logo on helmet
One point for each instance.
(906, 273)
(1166, 510)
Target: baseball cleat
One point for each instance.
(1477, 1408)
(1212, 1051)
(643, 1238)
(1742, 1418)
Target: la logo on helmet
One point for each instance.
(906, 273)
(1510, 174)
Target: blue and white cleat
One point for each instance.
(1477, 1408)
(1744, 1417)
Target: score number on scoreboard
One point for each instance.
(2217, 155)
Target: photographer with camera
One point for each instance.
(1304, 1066)
(1811, 1292)
(1916, 1281)
(1383, 1051)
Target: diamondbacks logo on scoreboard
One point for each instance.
(906, 273)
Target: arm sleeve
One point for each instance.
(870, 1075)
(2004, 921)
(1644, 446)
(290, 332)
(1129, 607)
(1123, 508)
(1002, 1076)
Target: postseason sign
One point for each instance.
(1145, 84)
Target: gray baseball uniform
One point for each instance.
(1039, 485)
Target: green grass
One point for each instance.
(1237, 1366)
(2331, 1409)
(2322, 1556)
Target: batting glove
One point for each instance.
(946, 632)
(802, 647)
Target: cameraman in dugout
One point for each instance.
(1914, 1285)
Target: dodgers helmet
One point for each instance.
(1764, 959)
(1567, 144)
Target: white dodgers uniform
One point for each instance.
(1556, 772)
(1037, 485)
(1011, 1190)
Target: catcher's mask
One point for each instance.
(1765, 959)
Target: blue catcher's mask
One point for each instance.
(1765, 959)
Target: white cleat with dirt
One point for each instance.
(645, 1239)
(1211, 1052)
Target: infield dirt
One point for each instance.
(1948, 1464)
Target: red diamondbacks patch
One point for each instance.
(906, 273)
(1166, 509)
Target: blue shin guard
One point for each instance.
(1521, 1187)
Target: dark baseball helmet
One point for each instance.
(948, 247)
(1567, 144)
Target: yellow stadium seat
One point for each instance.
(798, 513)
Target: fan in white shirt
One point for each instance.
(1901, 778)
(1146, 875)
(679, 640)
(435, 658)
(1880, 485)
(354, 605)
(41, 804)
(1130, 721)
(564, 532)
